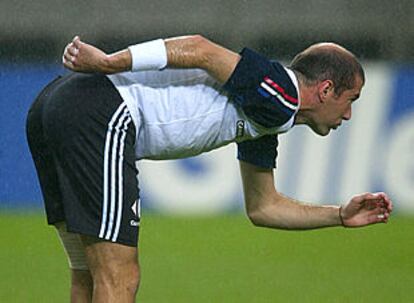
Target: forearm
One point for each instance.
(282, 212)
(266, 207)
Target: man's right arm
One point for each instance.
(182, 52)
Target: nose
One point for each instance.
(348, 114)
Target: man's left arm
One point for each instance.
(268, 208)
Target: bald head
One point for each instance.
(330, 46)
(328, 61)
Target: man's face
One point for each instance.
(334, 109)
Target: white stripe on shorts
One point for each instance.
(113, 163)
(120, 178)
(114, 172)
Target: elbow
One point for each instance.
(203, 50)
(257, 217)
(255, 220)
(199, 41)
(268, 214)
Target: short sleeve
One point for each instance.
(263, 89)
(261, 152)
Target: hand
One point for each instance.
(368, 208)
(82, 57)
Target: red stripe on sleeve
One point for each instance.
(280, 90)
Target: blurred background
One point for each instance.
(372, 152)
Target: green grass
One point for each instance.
(225, 259)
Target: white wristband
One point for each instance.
(151, 55)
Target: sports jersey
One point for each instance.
(183, 112)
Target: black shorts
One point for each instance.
(82, 140)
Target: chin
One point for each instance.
(321, 131)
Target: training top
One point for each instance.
(180, 113)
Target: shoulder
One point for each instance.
(263, 89)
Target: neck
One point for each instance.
(307, 94)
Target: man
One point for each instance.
(175, 98)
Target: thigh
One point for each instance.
(91, 134)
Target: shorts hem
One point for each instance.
(93, 233)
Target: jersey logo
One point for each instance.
(239, 128)
(270, 88)
(136, 208)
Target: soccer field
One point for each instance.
(225, 259)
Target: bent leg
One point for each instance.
(115, 270)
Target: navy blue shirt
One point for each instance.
(266, 94)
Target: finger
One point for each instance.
(390, 206)
(373, 196)
(69, 65)
(70, 44)
(382, 214)
(388, 202)
(73, 51)
(378, 211)
(77, 42)
(378, 218)
(372, 201)
(361, 198)
(375, 203)
(68, 57)
(385, 197)
(382, 217)
(65, 50)
(382, 204)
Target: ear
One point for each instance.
(325, 90)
